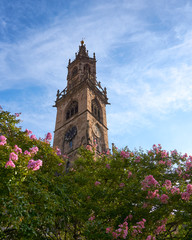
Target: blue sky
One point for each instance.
(144, 58)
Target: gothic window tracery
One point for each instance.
(87, 68)
(72, 110)
(96, 110)
(74, 71)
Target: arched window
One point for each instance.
(74, 71)
(96, 110)
(72, 110)
(87, 68)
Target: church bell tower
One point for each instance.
(81, 108)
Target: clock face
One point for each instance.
(70, 134)
(96, 131)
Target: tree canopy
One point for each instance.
(120, 195)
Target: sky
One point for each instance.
(144, 58)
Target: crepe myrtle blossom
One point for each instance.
(185, 196)
(34, 150)
(167, 184)
(13, 156)
(138, 228)
(121, 185)
(10, 163)
(164, 198)
(3, 140)
(148, 182)
(129, 174)
(29, 132)
(89, 148)
(150, 238)
(91, 218)
(130, 217)
(17, 114)
(160, 229)
(175, 190)
(48, 137)
(121, 232)
(27, 153)
(108, 166)
(58, 151)
(138, 158)
(35, 165)
(189, 188)
(97, 183)
(152, 195)
(33, 137)
(17, 149)
(125, 154)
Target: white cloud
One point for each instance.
(143, 48)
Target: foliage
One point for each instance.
(123, 195)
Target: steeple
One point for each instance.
(81, 107)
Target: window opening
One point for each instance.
(72, 110)
(70, 144)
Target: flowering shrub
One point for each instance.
(28, 198)
(120, 195)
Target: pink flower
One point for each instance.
(130, 216)
(58, 151)
(17, 149)
(10, 163)
(164, 198)
(150, 238)
(108, 166)
(13, 156)
(35, 165)
(185, 196)
(49, 136)
(189, 165)
(162, 162)
(138, 158)
(17, 114)
(122, 185)
(59, 164)
(89, 148)
(160, 229)
(175, 190)
(27, 153)
(115, 235)
(29, 132)
(179, 171)
(169, 163)
(145, 205)
(108, 152)
(33, 137)
(189, 188)
(97, 183)
(125, 154)
(167, 184)
(91, 218)
(108, 230)
(34, 150)
(152, 195)
(129, 174)
(3, 140)
(148, 182)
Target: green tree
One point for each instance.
(124, 195)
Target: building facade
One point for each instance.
(81, 108)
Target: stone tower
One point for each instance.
(81, 107)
